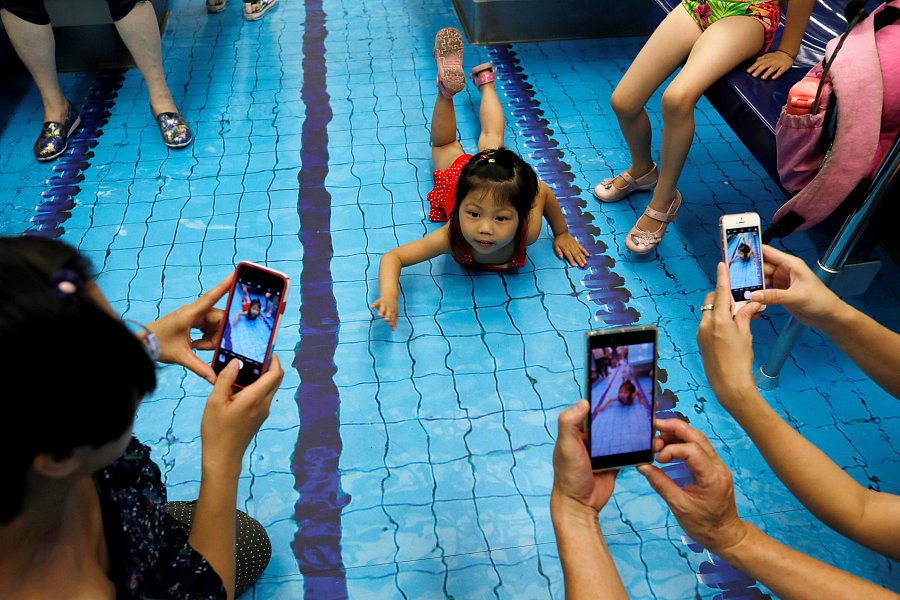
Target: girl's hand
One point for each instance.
(174, 331)
(568, 248)
(575, 486)
(387, 308)
(231, 420)
(793, 285)
(705, 509)
(725, 341)
(774, 64)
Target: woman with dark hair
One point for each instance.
(83, 511)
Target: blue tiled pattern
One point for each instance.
(447, 424)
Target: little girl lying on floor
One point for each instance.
(492, 201)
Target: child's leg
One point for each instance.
(724, 45)
(445, 148)
(493, 122)
(667, 48)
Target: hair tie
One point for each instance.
(490, 160)
(65, 283)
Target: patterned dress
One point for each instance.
(148, 549)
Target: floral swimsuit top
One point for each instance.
(148, 549)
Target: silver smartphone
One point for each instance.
(742, 252)
(621, 373)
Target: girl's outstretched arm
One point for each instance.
(433, 244)
(777, 62)
(547, 206)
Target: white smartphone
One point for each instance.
(742, 252)
(621, 370)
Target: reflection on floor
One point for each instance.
(445, 427)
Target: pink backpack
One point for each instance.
(864, 77)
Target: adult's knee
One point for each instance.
(678, 101)
(625, 105)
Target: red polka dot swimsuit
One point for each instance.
(443, 198)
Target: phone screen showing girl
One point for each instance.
(744, 263)
(621, 393)
(250, 319)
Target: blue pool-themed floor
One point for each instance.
(417, 463)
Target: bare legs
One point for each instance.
(37, 49)
(710, 55)
(490, 113)
(667, 48)
(445, 148)
(140, 33)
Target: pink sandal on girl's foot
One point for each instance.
(482, 74)
(642, 242)
(606, 190)
(448, 54)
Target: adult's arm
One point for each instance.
(706, 511)
(866, 516)
(575, 502)
(873, 347)
(229, 423)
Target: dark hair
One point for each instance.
(502, 174)
(258, 306)
(744, 247)
(73, 374)
(628, 386)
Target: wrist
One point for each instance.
(793, 54)
(736, 390)
(737, 544)
(840, 317)
(566, 510)
(220, 466)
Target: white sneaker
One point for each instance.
(215, 6)
(257, 9)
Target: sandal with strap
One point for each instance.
(642, 242)
(606, 191)
(483, 73)
(448, 54)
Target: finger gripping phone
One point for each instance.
(252, 316)
(742, 252)
(621, 372)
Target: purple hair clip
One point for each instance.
(65, 283)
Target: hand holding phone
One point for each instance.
(575, 487)
(742, 253)
(621, 367)
(173, 331)
(252, 316)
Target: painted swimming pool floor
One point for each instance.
(416, 463)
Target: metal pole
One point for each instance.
(832, 262)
